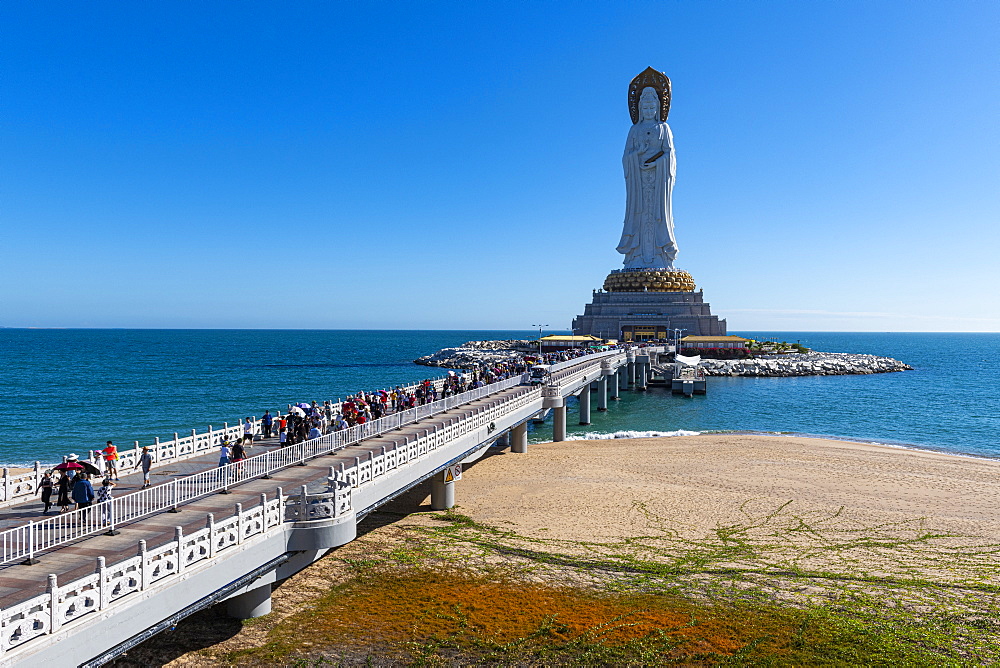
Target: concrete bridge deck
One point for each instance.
(67, 562)
(163, 563)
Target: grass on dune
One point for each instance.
(776, 588)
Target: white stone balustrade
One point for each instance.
(20, 487)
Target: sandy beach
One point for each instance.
(603, 490)
(586, 490)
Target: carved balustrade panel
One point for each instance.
(227, 533)
(161, 562)
(22, 484)
(79, 598)
(196, 546)
(272, 513)
(122, 579)
(365, 473)
(25, 621)
(253, 521)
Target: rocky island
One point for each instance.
(473, 354)
(804, 364)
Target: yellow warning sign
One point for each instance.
(453, 473)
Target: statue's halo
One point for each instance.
(649, 78)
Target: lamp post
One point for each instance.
(677, 339)
(539, 338)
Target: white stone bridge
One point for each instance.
(90, 584)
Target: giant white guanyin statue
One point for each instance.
(650, 167)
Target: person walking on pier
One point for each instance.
(103, 500)
(83, 494)
(111, 460)
(64, 486)
(224, 454)
(266, 423)
(247, 431)
(45, 486)
(146, 462)
(239, 454)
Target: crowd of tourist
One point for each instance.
(305, 421)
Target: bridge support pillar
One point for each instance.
(602, 393)
(615, 384)
(631, 373)
(442, 493)
(254, 603)
(559, 423)
(519, 438)
(640, 376)
(585, 405)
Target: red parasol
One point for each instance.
(68, 466)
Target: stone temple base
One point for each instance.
(648, 314)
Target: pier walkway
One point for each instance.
(110, 576)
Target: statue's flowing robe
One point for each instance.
(648, 236)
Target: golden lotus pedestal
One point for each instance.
(648, 304)
(649, 280)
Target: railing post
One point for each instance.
(55, 620)
(267, 470)
(6, 484)
(103, 592)
(173, 496)
(303, 504)
(110, 510)
(30, 561)
(239, 523)
(210, 521)
(144, 570)
(179, 540)
(224, 472)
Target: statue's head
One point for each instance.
(649, 84)
(649, 104)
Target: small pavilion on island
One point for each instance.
(714, 342)
(554, 342)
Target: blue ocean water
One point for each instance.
(68, 390)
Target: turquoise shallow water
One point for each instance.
(70, 390)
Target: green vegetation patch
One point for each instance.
(774, 589)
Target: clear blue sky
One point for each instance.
(457, 165)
